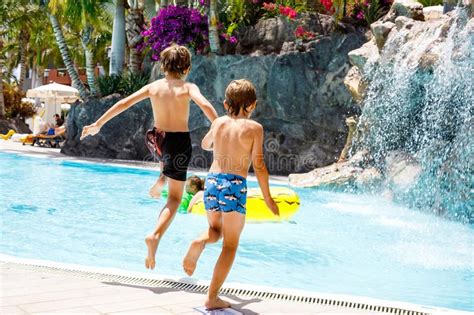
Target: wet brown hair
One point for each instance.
(175, 60)
(240, 94)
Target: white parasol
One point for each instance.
(54, 94)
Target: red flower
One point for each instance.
(288, 11)
(269, 6)
(299, 31)
(327, 4)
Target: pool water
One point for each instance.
(98, 215)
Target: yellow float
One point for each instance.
(286, 199)
(10, 133)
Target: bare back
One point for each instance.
(170, 103)
(233, 141)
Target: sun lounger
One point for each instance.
(53, 141)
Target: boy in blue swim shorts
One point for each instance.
(225, 192)
(236, 142)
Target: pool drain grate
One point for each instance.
(200, 288)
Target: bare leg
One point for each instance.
(164, 220)
(155, 190)
(232, 225)
(211, 235)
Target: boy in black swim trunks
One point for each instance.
(236, 141)
(170, 98)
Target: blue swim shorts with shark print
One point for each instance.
(225, 192)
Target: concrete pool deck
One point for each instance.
(40, 287)
(26, 291)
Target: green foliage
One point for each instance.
(374, 11)
(14, 107)
(124, 84)
(429, 3)
(298, 5)
(109, 84)
(237, 13)
(365, 12)
(132, 82)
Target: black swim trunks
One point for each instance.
(173, 148)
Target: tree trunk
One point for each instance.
(117, 55)
(2, 102)
(90, 67)
(213, 31)
(150, 9)
(24, 38)
(135, 22)
(76, 82)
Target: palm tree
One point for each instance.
(213, 30)
(117, 55)
(2, 102)
(85, 15)
(149, 8)
(63, 48)
(40, 51)
(135, 23)
(18, 17)
(24, 39)
(3, 16)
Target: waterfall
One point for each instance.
(420, 101)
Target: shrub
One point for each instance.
(125, 83)
(429, 3)
(369, 11)
(132, 82)
(234, 14)
(14, 107)
(109, 84)
(272, 10)
(180, 25)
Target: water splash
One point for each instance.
(420, 101)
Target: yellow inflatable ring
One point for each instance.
(286, 199)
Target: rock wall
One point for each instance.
(16, 124)
(302, 103)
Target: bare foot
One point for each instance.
(212, 304)
(151, 243)
(155, 190)
(192, 256)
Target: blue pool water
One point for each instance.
(98, 215)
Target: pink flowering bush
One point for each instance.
(229, 38)
(272, 10)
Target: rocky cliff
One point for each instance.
(302, 103)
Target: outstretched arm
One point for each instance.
(202, 102)
(261, 171)
(119, 107)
